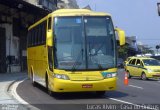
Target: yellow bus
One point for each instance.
(74, 50)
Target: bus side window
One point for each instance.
(43, 30)
(32, 37)
(49, 23)
(36, 36)
(39, 34)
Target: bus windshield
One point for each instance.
(84, 43)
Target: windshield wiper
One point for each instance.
(77, 59)
(96, 62)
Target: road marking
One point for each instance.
(136, 86)
(14, 93)
(142, 106)
(121, 101)
(18, 98)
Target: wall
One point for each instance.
(68, 4)
(34, 2)
(12, 48)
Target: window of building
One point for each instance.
(16, 26)
(41, 2)
(28, 39)
(45, 3)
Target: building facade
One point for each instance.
(15, 18)
(67, 4)
(131, 41)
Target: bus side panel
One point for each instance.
(33, 63)
(41, 55)
(30, 60)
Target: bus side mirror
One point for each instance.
(49, 38)
(121, 35)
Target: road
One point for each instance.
(137, 92)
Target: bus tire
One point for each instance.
(47, 86)
(32, 78)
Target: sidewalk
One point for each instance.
(6, 80)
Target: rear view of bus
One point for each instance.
(82, 52)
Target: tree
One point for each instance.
(123, 51)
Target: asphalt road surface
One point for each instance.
(138, 92)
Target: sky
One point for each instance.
(136, 17)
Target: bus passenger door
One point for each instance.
(49, 42)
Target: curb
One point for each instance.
(10, 84)
(21, 104)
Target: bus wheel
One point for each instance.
(47, 87)
(100, 93)
(33, 82)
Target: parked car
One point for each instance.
(143, 67)
(126, 61)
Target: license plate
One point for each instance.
(87, 86)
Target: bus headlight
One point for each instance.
(61, 76)
(111, 75)
(114, 74)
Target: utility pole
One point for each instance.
(158, 7)
(157, 47)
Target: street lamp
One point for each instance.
(157, 47)
(158, 7)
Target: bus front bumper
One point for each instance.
(59, 85)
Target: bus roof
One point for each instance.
(78, 12)
(70, 12)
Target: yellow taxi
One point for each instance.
(143, 67)
(126, 61)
